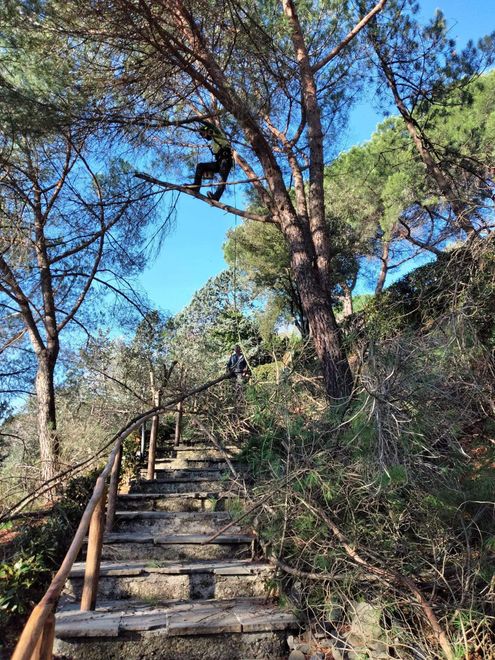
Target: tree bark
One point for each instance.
(46, 415)
(315, 299)
(384, 268)
(348, 308)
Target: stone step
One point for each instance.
(222, 629)
(219, 463)
(193, 501)
(166, 522)
(175, 580)
(202, 474)
(196, 464)
(119, 546)
(186, 485)
(204, 453)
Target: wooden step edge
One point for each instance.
(187, 618)
(172, 515)
(176, 480)
(200, 495)
(175, 539)
(225, 567)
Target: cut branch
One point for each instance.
(189, 191)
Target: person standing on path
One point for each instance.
(237, 365)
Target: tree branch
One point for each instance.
(355, 30)
(189, 191)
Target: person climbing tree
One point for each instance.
(223, 162)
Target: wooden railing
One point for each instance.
(37, 637)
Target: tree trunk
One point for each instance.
(46, 416)
(317, 307)
(384, 269)
(327, 341)
(347, 306)
(425, 149)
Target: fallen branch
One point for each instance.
(388, 575)
(218, 445)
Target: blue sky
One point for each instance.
(192, 253)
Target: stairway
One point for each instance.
(163, 593)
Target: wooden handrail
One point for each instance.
(36, 622)
(38, 630)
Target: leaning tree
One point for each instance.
(277, 78)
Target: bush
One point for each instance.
(36, 552)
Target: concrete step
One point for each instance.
(235, 629)
(166, 522)
(119, 546)
(194, 501)
(175, 580)
(179, 485)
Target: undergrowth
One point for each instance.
(35, 552)
(391, 494)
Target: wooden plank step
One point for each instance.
(134, 568)
(188, 501)
(164, 580)
(217, 494)
(167, 522)
(210, 447)
(186, 478)
(177, 485)
(188, 473)
(169, 515)
(176, 539)
(209, 617)
(159, 546)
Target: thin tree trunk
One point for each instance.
(424, 148)
(46, 416)
(384, 269)
(348, 308)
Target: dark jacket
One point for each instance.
(237, 363)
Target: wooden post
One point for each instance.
(112, 491)
(44, 647)
(178, 423)
(93, 555)
(153, 437)
(152, 448)
(143, 439)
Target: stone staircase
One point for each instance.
(163, 593)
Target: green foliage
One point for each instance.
(423, 298)
(219, 316)
(16, 584)
(400, 472)
(37, 550)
